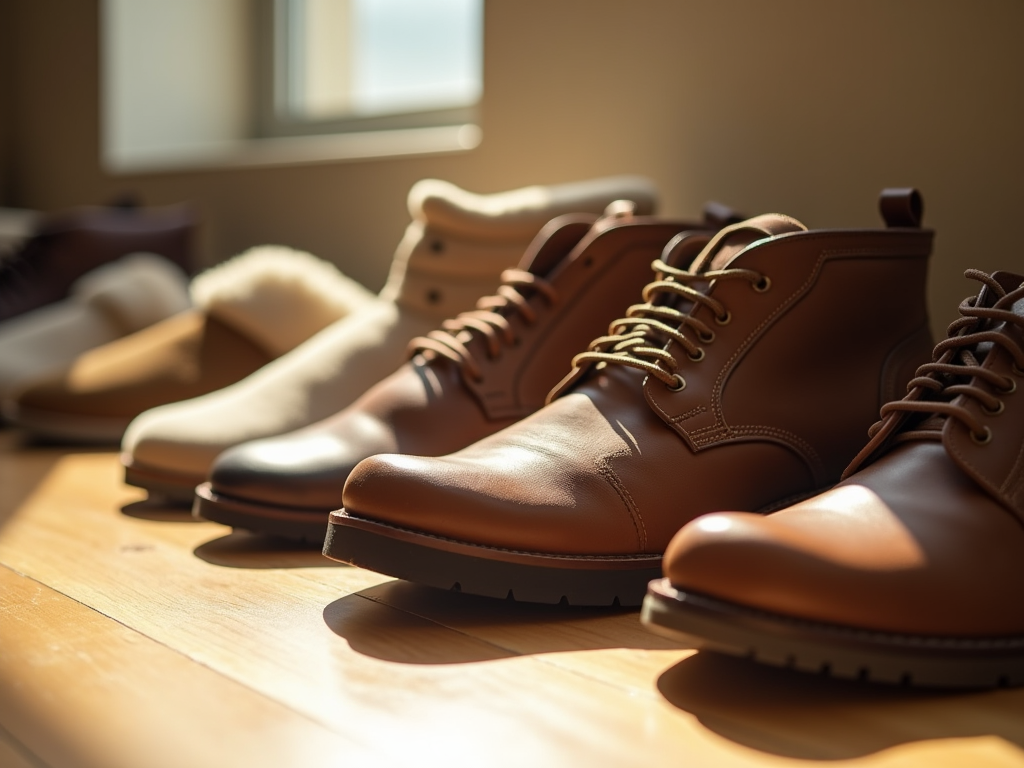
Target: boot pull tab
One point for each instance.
(720, 215)
(619, 209)
(901, 207)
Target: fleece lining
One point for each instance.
(519, 213)
(277, 296)
(135, 291)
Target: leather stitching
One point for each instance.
(604, 469)
(687, 415)
(802, 448)
(790, 440)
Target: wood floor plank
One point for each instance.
(78, 689)
(413, 675)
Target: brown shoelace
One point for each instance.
(955, 362)
(639, 340)
(488, 321)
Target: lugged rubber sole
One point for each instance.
(533, 577)
(305, 526)
(706, 623)
(172, 488)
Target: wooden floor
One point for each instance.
(131, 636)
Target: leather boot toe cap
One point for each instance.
(475, 497)
(308, 472)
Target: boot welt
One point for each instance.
(303, 525)
(171, 487)
(706, 623)
(458, 566)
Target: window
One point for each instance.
(340, 64)
(195, 82)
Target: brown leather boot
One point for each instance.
(483, 371)
(742, 382)
(910, 570)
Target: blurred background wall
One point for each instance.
(798, 106)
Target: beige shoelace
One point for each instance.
(955, 363)
(487, 321)
(639, 339)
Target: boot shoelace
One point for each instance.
(955, 363)
(488, 320)
(638, 340)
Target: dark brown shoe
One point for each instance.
(908, 571)
(483, 371)
(743, 382)
(69, 244)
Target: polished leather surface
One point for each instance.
(431, 406)
(925, 535)
(776, 406)
(70, 244)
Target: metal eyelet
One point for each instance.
(698, 356)
(1010, 388)
(994, 411)
(724, 319)
(1015, 370)
(986, 437)
(706, 338)
(763, 284)
(680, 384)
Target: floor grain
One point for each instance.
(131, 635)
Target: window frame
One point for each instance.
(270, 121)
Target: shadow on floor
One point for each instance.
(375, 630)
(158, 510)
(242, 549)
(506, 627)
(798, 715)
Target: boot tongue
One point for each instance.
(557, 243)
(1010, 282)
(987, 297)
(731, 241)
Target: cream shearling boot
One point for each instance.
(109, 302)
(246, 312)
(452, 253)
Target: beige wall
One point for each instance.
(798, 106)
(6, 78)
